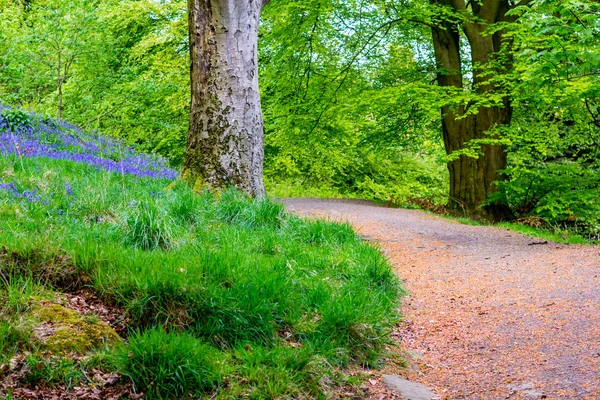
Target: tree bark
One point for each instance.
(225, 137)
(472, 179)
(59, 84)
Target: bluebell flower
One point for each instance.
(60, 140)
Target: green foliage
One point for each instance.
(16, 119)
(356, 97)
(169, 365)
(356, 105)
(357, 114)
(552, 178)
(556, 195)
(122, 66)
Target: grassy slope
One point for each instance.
(226, 296)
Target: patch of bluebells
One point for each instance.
(43, 137)
(30, 196)
(55, 205)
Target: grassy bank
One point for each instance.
(221, 296)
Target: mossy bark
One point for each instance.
(225, 138)
(472, 180)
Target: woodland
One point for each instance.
(489, 108)
(142, 143)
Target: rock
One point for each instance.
(527, 391)
(409, 390)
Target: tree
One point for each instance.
(488, 105)
(225, 137)
(46, 44)
(554, 157)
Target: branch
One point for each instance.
(523, 3)
(421, 22)
(578, 19)
(595, 120)
(310, 57)
(583, 75)
(346, 70)
(99, 117)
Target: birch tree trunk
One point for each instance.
(225, 137)
(472, 179)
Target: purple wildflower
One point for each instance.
(60, 140)
(31, 196)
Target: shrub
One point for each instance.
(563, 195)
(16, 119)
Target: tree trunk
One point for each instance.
(225, 138)
(59, 83)
(472, 179)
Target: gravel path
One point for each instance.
(491, 314)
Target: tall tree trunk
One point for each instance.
(472, 179)
(225, 138)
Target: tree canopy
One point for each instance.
(352, 91)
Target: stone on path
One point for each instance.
(409, 390)
(527, 391)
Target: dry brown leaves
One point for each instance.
(86, 302)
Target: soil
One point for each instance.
(491, 314)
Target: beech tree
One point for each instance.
(473, 177)
(225, 137)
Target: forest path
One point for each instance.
(490, 314)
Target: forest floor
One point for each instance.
(491, 314)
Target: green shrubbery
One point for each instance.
(552, 179)
(401, 179)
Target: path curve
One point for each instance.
(490, 315)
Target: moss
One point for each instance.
(62, 331)
(193, 180)
(199, 185)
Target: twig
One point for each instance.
(534, 243)
(4, 278)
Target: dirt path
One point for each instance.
(493, 315)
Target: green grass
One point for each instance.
(171, 365)
(551, 234)
(225, 295)
(554, 235)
